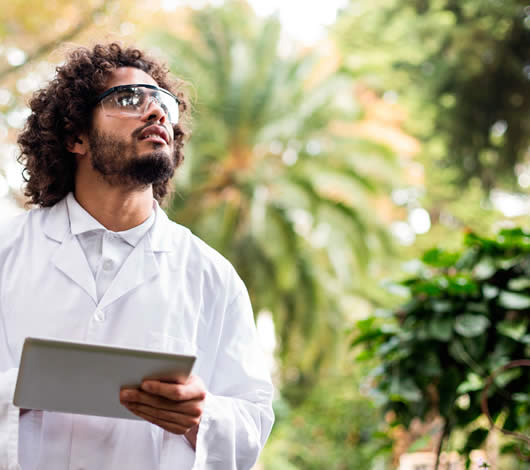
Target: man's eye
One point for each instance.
(128, 99)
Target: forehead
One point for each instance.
(127, 76)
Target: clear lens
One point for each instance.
(135, 101)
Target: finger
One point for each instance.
(189, 407)
(178, 392)
(168, 426)
(164, 415)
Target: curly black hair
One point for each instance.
(62, 110)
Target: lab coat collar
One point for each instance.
(162, 234)
(140, 266)
(81, 222)
(56, 225)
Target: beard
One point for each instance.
(119, 162)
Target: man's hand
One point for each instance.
(175, 407)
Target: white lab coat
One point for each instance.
(173, 293)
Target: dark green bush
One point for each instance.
(468, 315)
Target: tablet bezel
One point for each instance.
(53, 372)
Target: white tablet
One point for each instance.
(86, 378)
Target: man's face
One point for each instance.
(126, 150)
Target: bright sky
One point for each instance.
(304, 20)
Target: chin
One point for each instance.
(151, 168)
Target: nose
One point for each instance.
(154, 111)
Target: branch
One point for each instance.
(50, 46)
(443, 437)
(485, 408)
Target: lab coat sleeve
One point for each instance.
(9, 413)
(9, 417)
(237, 416)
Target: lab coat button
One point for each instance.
(108, 265)
(99, 316)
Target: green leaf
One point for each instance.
(514, 301)
(506, 377)
(431, 366)
(440, 258)
(442, 306)
(473, 382)
(396, 289)
(485, 269)
(477, 307)
(390, 345)
(468, 259)
(390, 328)
(365, 355)
(501, 353)
(462, 284)
(517, 235)
(470, 325)
(441, 328)
(526, 339)
(489, 291)
(521, 397)
(512, 329)
(519, 283)
(509, 263)
(455, 351)
(431, 288)
(366, 337)
(475, 346)
(366, 325)
(405, 390)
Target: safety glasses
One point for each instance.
(134, 100)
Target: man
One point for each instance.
(98, 261)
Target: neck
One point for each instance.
(115, 208)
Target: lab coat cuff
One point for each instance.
(227, 437)
(9, 421)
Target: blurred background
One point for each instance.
(365, 165)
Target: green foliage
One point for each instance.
(268, 184)
(335, 429)
(465, 66)
(468, 315)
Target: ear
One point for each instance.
(77, 145)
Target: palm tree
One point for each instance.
(268, 184)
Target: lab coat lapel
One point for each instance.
(71, 260)
(139, 267)
(69, 257)
(142, 264)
